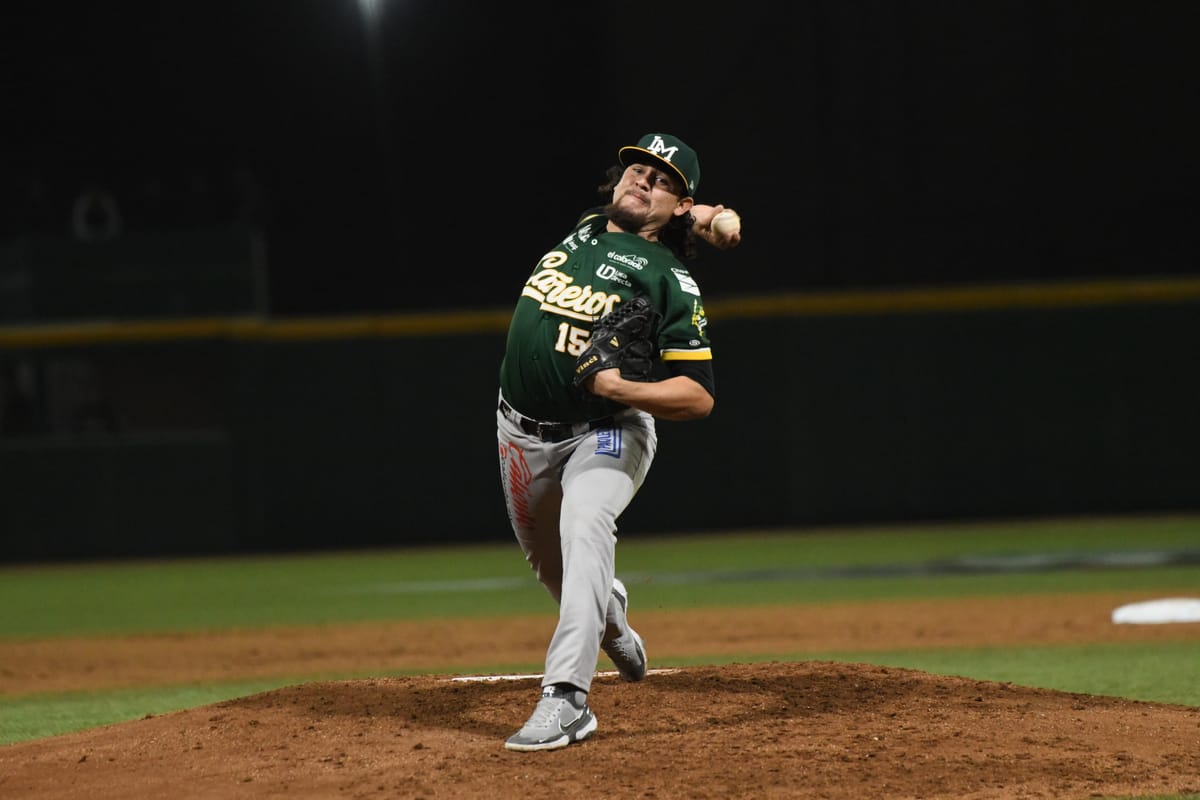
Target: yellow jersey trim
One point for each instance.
(704, 354)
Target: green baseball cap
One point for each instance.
(664, 150)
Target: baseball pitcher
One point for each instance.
(609, 332)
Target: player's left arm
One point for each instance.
(689, 391)
(679, 397)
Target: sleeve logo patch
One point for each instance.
(699, 319)
(686, 282)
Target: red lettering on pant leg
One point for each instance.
(516, 477)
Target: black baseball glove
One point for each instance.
(622, 339)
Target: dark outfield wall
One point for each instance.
(245, 435)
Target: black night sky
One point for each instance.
(411, 154)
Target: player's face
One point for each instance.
(646, 197)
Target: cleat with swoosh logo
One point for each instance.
(560, 718)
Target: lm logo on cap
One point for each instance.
(659, 147)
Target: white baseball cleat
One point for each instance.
(621, 643)
(560, 718)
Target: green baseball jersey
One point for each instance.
(587, 275)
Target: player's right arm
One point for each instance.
(702, 227)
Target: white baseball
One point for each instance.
(727, 222)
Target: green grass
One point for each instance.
(39, 716)
(668, 572)
(671, 571)
(1162, 672)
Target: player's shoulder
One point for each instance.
(587, 227)
(590, 214)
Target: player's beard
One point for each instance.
(626, 220)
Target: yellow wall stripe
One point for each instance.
(978, 298)
(882, 301)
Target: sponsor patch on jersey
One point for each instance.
(608, 442)
(686, 282)
(610, 273)
(633, 262)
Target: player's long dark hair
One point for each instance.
(677, 234)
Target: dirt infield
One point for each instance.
(796, 729)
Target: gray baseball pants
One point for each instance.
(563, 500)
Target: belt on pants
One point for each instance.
(552, 431)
